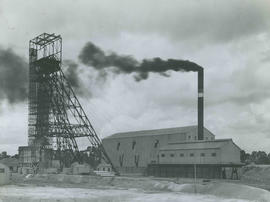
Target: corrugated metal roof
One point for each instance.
(163, 131)
(213, 144)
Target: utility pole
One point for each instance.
(195, 178)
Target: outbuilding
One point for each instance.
(12, 163)
(104, 167)
(4, 174)
(81, 169)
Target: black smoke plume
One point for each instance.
(91, 55)
(13, 76)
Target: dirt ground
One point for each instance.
(254, 185)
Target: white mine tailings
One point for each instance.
(25, 194)
(130, 189)
(82, 188)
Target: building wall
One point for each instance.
(104, 167)
(132, 158)
(185, 170)
(29, 155)
(4, 174)
(190, 156)
(211, 152)
(11, 163)
(144, 150)
(230, 153)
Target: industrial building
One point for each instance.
(172, 152)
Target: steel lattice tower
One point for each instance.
(56, 117)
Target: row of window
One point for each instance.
(104, 169)
(156, 143)
(132, 146)
(191, 155)
(205, 138)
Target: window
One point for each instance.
(202, 154)
(189, 137)
(2, 170)
(103, 169)
(118, 146)
(191, 154)
(162, 155)
(172, 155)
(214, 154)
(121, 160)
(136, 160)
(156, 144)
(195, 137)
(133, 144)
(181, 155)
(206, 138)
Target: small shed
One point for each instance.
(81, 169)
(4, 174)
(12, 163)
(104, 167)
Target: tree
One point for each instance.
(243, 156)
(262, 158)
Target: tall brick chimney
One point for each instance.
(200, 104)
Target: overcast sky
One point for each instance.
(230, 39)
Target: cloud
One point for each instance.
(13, 127)
(219, 35)
(199, 22)
(250, 83)
(266, 56)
